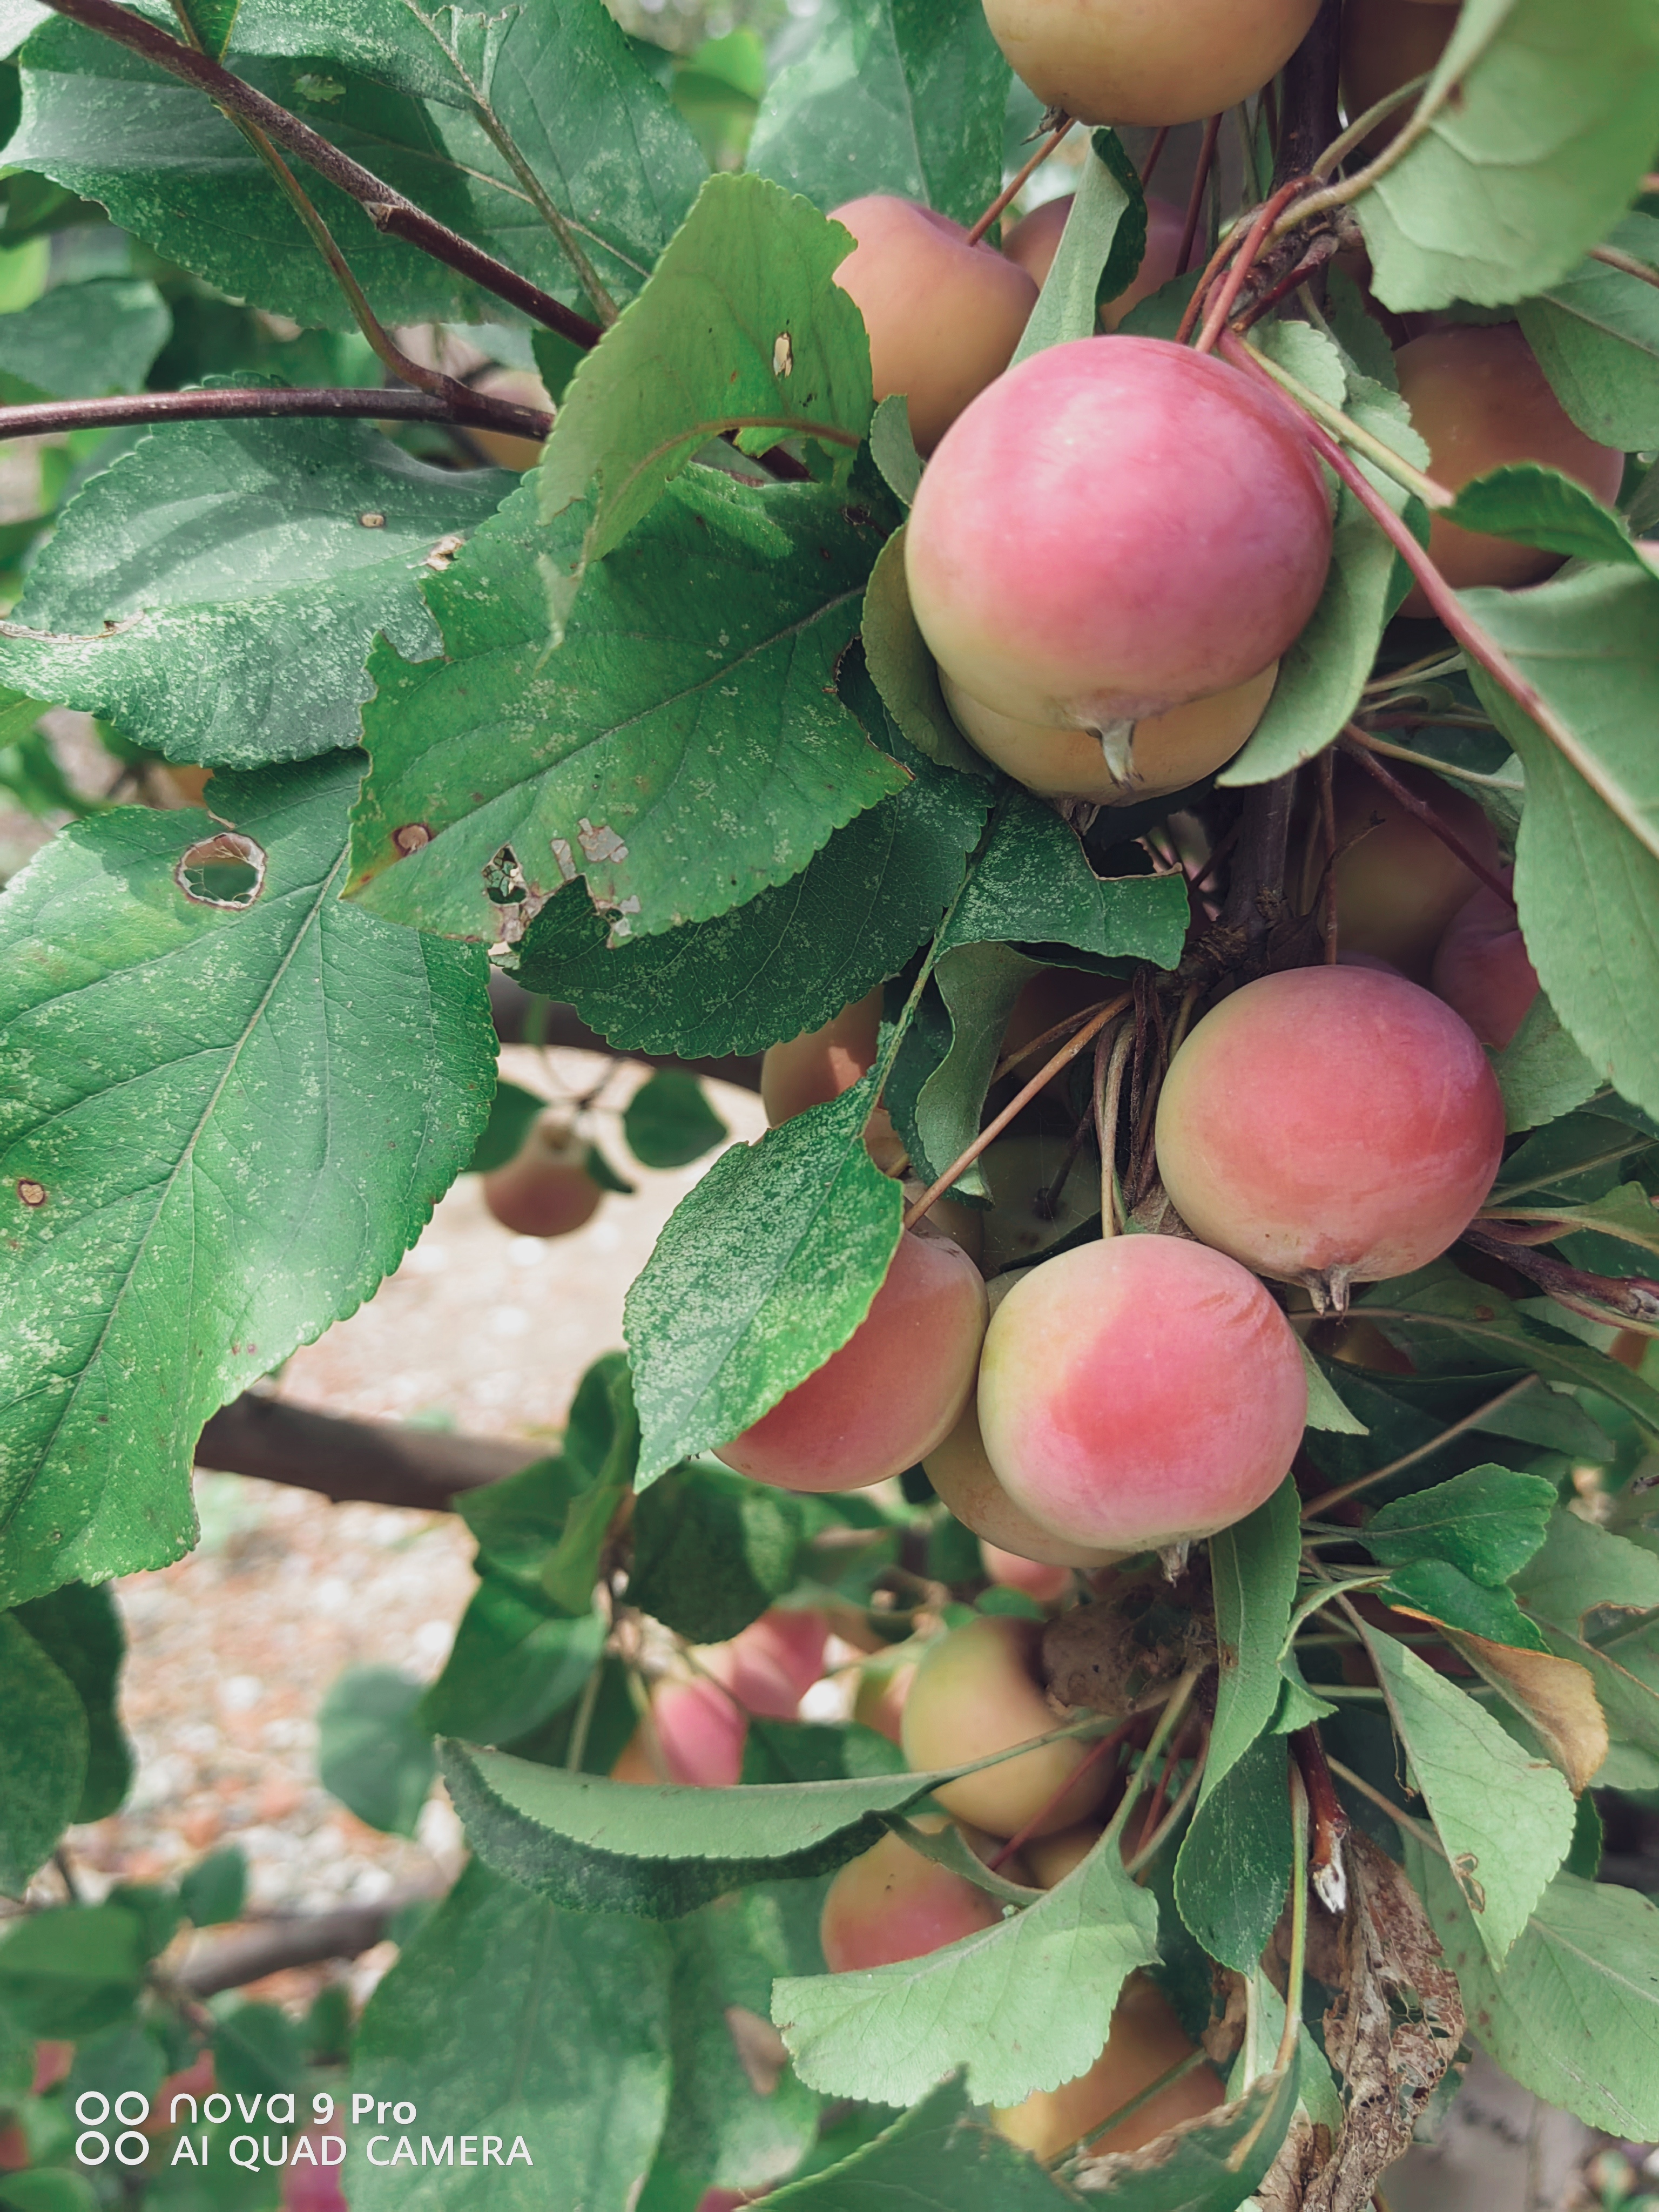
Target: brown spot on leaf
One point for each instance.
(412, 836)
(372, 521)
(31, 1194)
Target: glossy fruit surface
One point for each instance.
(1163, 753)
(1051, 1858)
(545, 1189)
(1171, 536)
(1140, 1393)
(1147, 61)
(1480, 400)
(1398, 884)
(944, 316)
(978, 1690)
(1328, 1125)
(895, 1390)
(1146, 2041)
(894, 1904)
(1481, 970)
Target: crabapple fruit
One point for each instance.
(1328, 1125)
(1385, 44)
(544, 1189)
(979, 1690)
(1019, 1171)
(1145, 759)
(944, 316)
(1398, 884)
(1147, 61)
(895, 1390)
(769, 1665)
(1140, 1393)
(1481, 970)
(1170, 537)
(1035, 240)
(1051, 1858)
(893, 1903)
(879, 1704)
(1479, 397)
(1013, 1571)
(811, 1069)
(700, 1731)
(1146, 2040)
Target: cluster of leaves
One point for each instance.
(653, 727)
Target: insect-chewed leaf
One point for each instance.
(765, 1269)
(1596, 337)
(935, 2158)
(1025, 2005)
(1562, 107)
(232, 1108)
(903, 96)
(214, 594)
(741, 327)
(1584, 1571)
(683, 750)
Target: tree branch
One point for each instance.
(228, 1962)
(480, 409)
(1309, 117)
(385, 208)
(374, 1463)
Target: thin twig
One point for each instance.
(1011, 191)
(1380, 455)
(1108, 1099)
(1153, 154)
(1328, 825)
(386, 208)
(1195, 200)
(1442, 767)
(1215, 319)
(1096, 1753)
(1356, 746)
(1362, 125)
(226, 402)
(1326, 1498)
(1616, 258)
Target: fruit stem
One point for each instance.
(1233, 283)
(1180, 1698)
(1149, 1849)
(1380, 455)
(1441, 767)
(1327, 825)
(1153, 154)
(1317, 1506)
(1195, 198)
(1012, 190)
(1022, 1099)
(1107, 1097)
(1356, 746)
(1361, 128)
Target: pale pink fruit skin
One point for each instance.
(892, 1904)
(701, 1732)
(544, 1189)
(1139, 1393)
(818, 1065)
(1035, 240)
(943, 317)
(967, 1482)
(1481, 970)
(1147, 61)
(895, 1390)
(1329, 1123)
(978, 1690)
(1012, 1571)
(770, 1665)
(1171, 536)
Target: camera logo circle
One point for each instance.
(92, 2109)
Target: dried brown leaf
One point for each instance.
(1557, 1697)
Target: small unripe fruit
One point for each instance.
(895, 1390)
(1012, 1571)
(545, 1189)
(523, 386)
(1330, 1125)
(1140, 1393)
(1481, 970)
(1146, 2040)
(1398, 884)
(1147, 61)
(1170, 537)
(1035, 240)
(944, 316)
(893, 1903)
(978, 1690)
(1479, 397)
(811, 1069)
(1117, 767)
(1051, 1858)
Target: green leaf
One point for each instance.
(512, 1110)
(211, 22)
(893, 449)
(904, 672)
(82, 340)
(1581, 1571)
(791, 958)
(1487, 1521)
(506, 2013)
(514, 1665)
(661, 1851)
(518, 1520)
(70, 1971)
(683, 750)
(807, 1751)
(741, 327)
(904, 96)
(979, 986)
(1100, 249)
(216, 593)
(1233, 1874)
(1327, 1409)
(257, 2051)
(1539, 123)
(937, 2157)
(765, 1269)
(1574, 2015)
(1252, 1571)
(1596, 337)
(80, 1630)
(1447, 1594)
(1504, 1818)
(1588, 857)
(46, 2189)
(373, 1753)
(238, 1119)
(1209, 2162)
(1539, 506)
(215, 1889)
(1323, 674)
(1541, 1071)
(669, 1122)
(711, 1551)
(1025, 2005)
(1033, 884)
(42, 1757)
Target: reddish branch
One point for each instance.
(230, 402)
(1353, 742)
(230, 1962)
(373, 1461)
